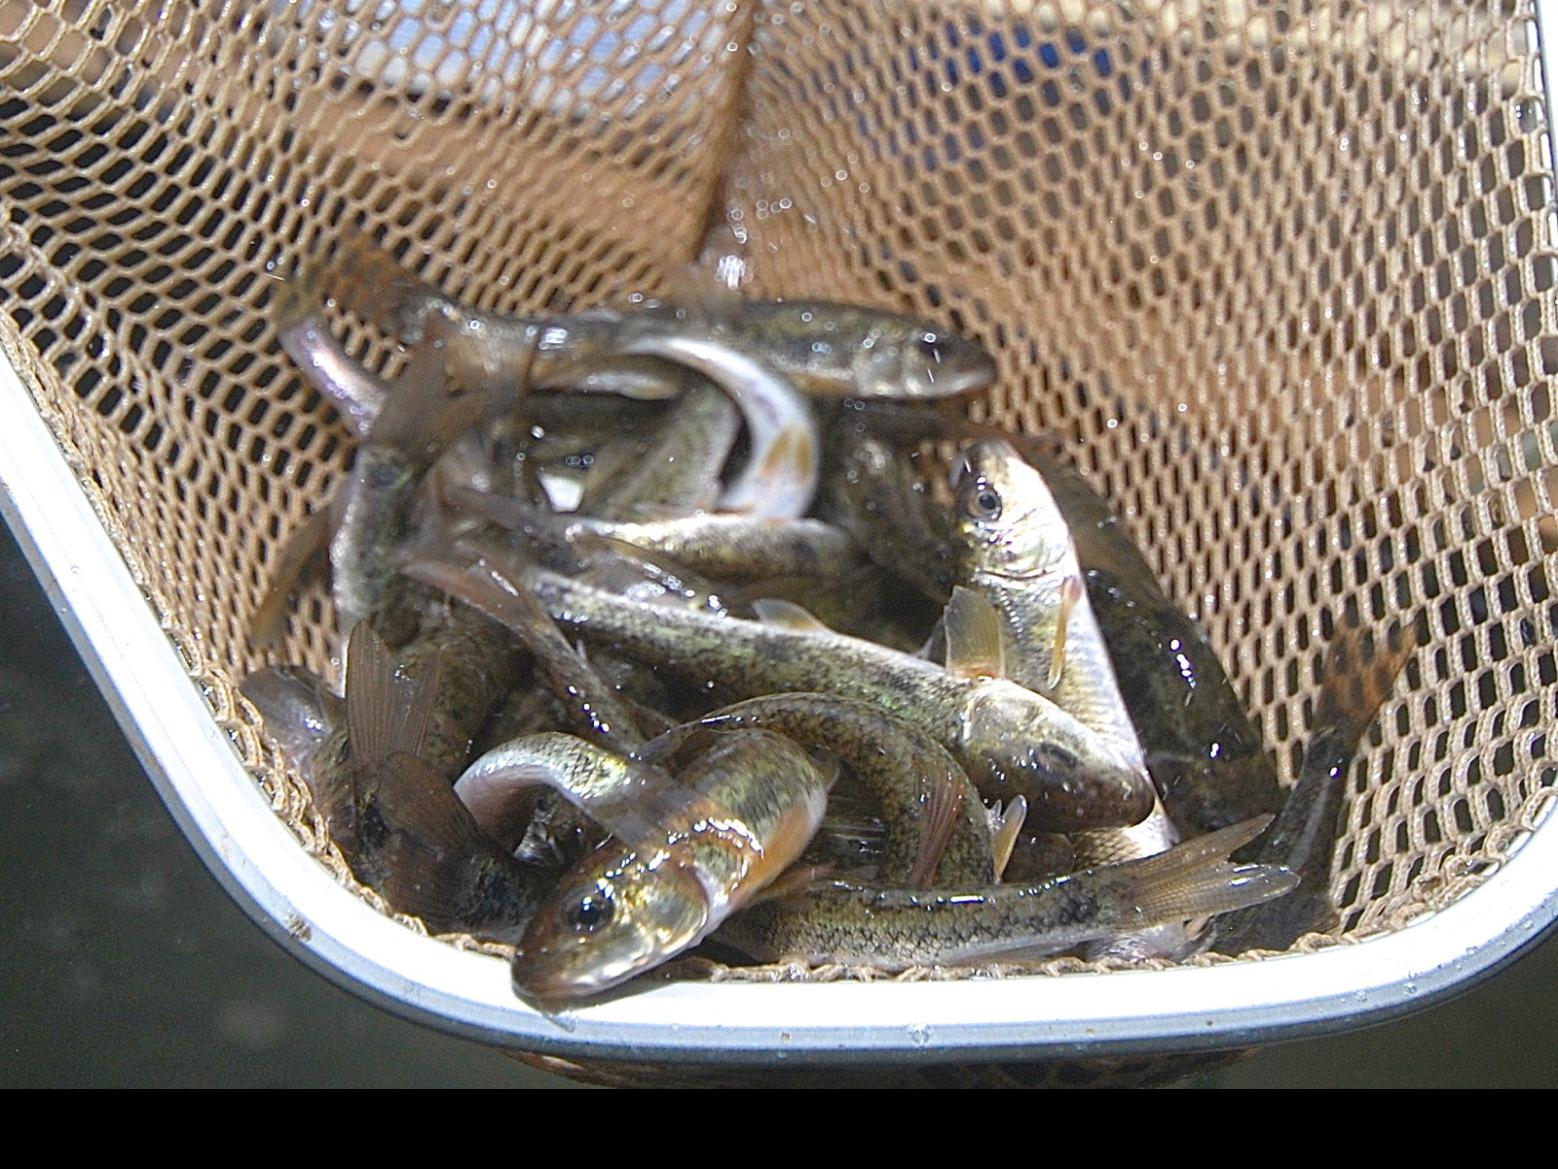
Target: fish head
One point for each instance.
(617, 915)
(1017, 743)
(1006, 521)
(899, 357)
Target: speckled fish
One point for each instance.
(729, 547)
(823, 348)
(743, 811)
(779, 477)
(390, 811)
(1010, 740)
(873, 493)
(419, 421)
(894, 929)
(679, 472)
(934, 820)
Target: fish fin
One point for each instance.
(787, 615)
(793, 882)
(941, 798)
(672, 742)
(975, 646)
(422, 417)
(1357, 676)
(386, 712)
(368, 282)
(1195, 879)
(304, 549)
(426, 843)
(935, 647)
(1070, 594)
(695, 287)
(299, 710)
(1005, 827)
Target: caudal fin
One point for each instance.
(1196, 879)
(1359, 672)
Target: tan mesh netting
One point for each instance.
(1281, 272)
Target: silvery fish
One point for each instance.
(1206, 755)
(742, 811)
(1015, 550)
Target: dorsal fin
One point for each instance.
(975, 647)
(787, 615)
(387, 713)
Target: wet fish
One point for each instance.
(934, 820)
(779, 477)
(1206, 755)
(894, 929)
(823, 348)
(1015, 551)
(391, 812)
(729, 547)
(744, 810)
(419, 421)
(1010, 740)
(679, 471)
(874, 494)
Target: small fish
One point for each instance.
(1206, 755)
(874, 494)
(934, 820)
(1015, 551)
(679, 471)
(894, 929)
(1010, 740)
(745, 809)
(420, 420)
(613, 789)
(823, 348)
(780, 474)
(390, 811)
(730, 547)
(303, 332)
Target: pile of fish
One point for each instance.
(662, 632)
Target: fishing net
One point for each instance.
(1278, 273)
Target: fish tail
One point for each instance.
(367, 282)
(303, 550)
(1360, 670)
(1196, 879)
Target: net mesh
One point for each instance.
(1280, 272)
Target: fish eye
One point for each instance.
(980, 501)
(931, 347)
(590, 912)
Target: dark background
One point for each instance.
(128, 966)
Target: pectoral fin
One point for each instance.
(975, 645)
